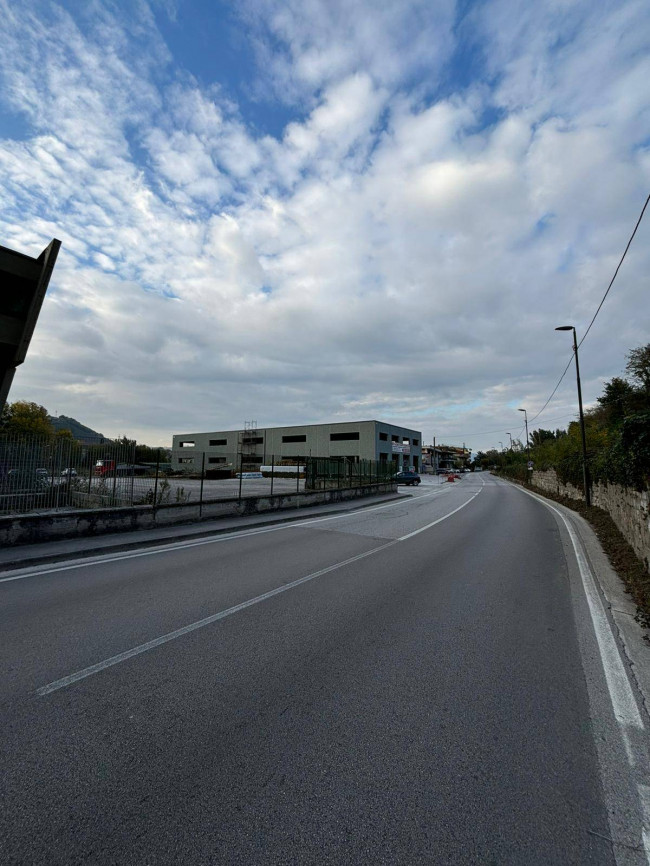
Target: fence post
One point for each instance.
(241, 463)
(201, 488)
(272, 471)
(298, 476)
(133, 472)
(155, 486)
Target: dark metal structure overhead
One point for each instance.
(23, 283)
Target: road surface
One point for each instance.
(426, 681)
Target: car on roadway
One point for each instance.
(407, 478)
(70, 472)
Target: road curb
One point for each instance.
(198, 533)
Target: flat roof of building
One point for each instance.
(312, 424)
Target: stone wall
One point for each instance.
(629, 509)
(77, 523)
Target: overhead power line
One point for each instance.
(505, 429)
(638, 223)
(566, 369)
(611, 283)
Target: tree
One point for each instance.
(24, 417)
(538, 437)
(616, 399)
(638, 368)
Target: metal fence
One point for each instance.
(40, 474)
(53, 473)
(327, 473)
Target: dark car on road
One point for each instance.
(407, 478)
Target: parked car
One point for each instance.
(70, 472)
(407, 478)
(25, 480)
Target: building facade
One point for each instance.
(255, 447)
(444, 458)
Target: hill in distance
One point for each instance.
(78, 430)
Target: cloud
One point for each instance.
(402, 250)
(305, 47)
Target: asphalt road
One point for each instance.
(419, 682)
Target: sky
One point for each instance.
(315, 211)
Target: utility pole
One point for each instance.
(527, 442)
(585, 469)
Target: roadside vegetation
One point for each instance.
(29, 420)
(617, 432)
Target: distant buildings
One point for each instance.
(444, 457)
(255, 447)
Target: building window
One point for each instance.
(344, 437)
(405, 440)
(214, 442)
(297, 438)
(416, 441)
(383, 437)
(383, 457)
(187, 444)
(186, 460)
(394, 438)
(216, 459)
(252, 440)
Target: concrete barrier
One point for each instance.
(78, 523)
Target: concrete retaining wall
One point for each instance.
(629, 509)
(33, 528)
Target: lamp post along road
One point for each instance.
(527, 442)
(585, 470)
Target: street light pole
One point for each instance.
(585, 470)
(510, 434)
(527, 442)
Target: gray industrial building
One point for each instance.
(353, 440)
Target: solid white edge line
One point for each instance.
(172, 635)
(186, 545)
(620, 691)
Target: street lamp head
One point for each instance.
(521, 410)
(565, 328)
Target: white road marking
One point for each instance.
(440, 519)
(620, 690)
(172, 635)
(644, 795)
(186, 545)
(152, 644)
